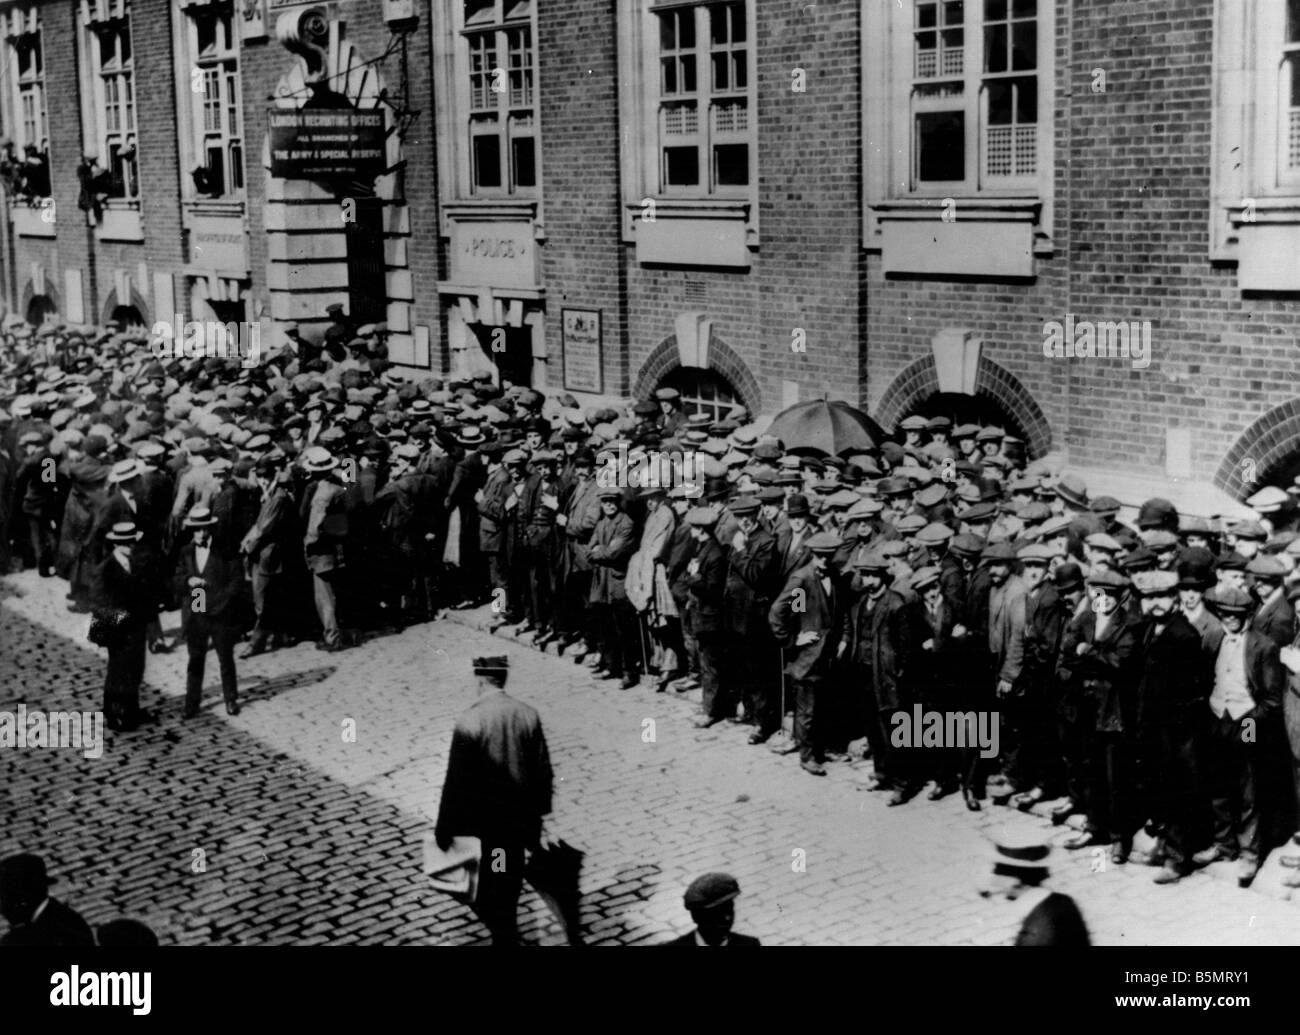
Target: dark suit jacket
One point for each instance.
(274, 534)
(1265, 674)
(1276, 620)
(707, 587)
(1105, 676)
(803, 605)
(223, 584)
(751, 585)
(881, 639)
(57, 926)
(1175, 680)
(687, 941)
(499, 782)
(136, 591)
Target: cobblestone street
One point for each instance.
(271, 828)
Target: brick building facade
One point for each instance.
(758, 203)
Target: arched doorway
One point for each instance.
(968, 409)
(126, 316)
(998, 398)
(39, 309)
(724, 383)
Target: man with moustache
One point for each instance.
(878, 651)
(1245, 705)
(1100, 663)
(751, 658)
(1168, 718)
(805, 621)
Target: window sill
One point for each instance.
(692, 231)
(503, 209)
(963, 236)
(31, 221)
(226, 206)
(1267, 244)
(121, 222)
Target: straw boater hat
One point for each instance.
(201, 517)
(123, 532)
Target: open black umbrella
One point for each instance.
(829, 426)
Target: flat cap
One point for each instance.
(1107, 579)
(710, 891)
(1230, 599)
(914, 423)
(968, 545)
(1035, 553)
(1054, 526)
(1248, 530)
(999, 553)
(1161, 539)
(871, 560)
(933, 534)
(667, 394)
(1102, 541)
(932, 495)
(1104, 505)
(1266, 567)
(979, 513)
(925, 577)
(1155, 583)
(744, 505)
(1268, 500)
(701, 517)
(824, 542)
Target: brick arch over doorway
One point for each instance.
(920, 380)
(1267, 444)
(722, 360)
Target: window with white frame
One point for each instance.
(29, 86)
(704, 128)
(1288, 149)
(216, 118)
(973, 88)
(500, 58)
(113, 93)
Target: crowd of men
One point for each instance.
(1144, 676)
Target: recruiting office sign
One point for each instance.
(326, 143)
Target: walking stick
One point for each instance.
(645, 661)
(781, 661)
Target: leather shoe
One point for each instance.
(972, 802)
(232, 707)
(757, 738)
(939, 790)
(1169, 874)
(782, 746)
(1246, 870)
(1026, 800)
(901, 796)
(1084, 839)
(1213, 854)
(627, 682)
(816, 768)
(1119, 853)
